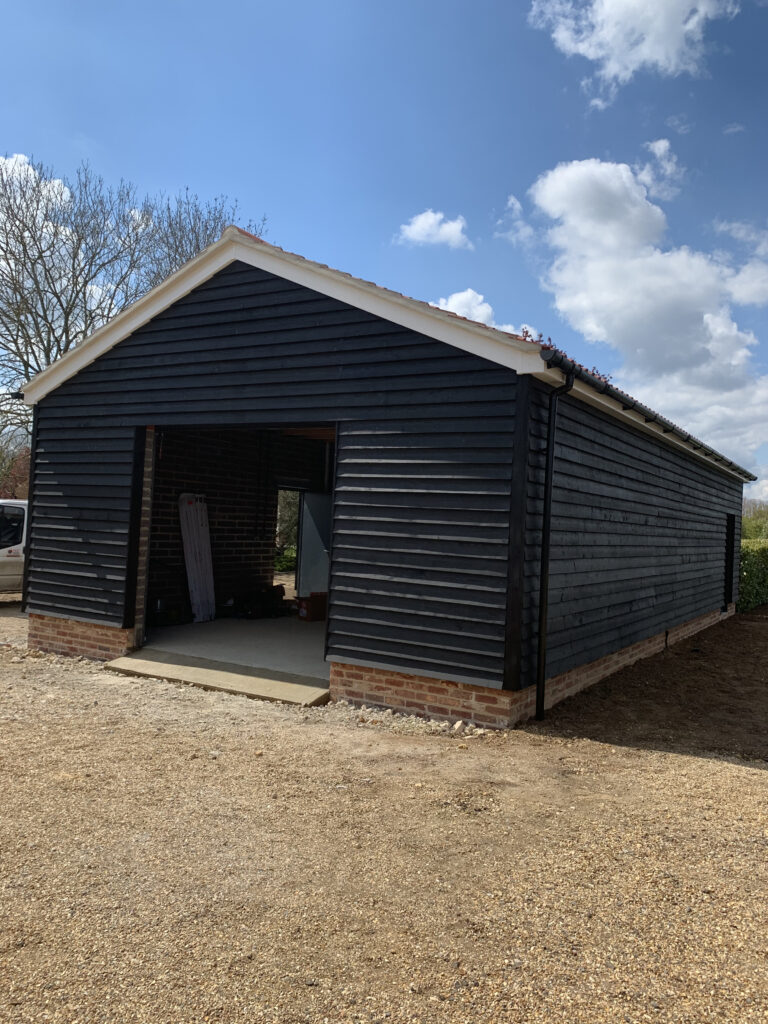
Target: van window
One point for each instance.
(11, 525)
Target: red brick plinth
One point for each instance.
(89, 639)
(443, 698)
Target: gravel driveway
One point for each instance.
(171, 855)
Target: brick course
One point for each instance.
(444, 698)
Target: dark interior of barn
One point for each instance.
(254, 614)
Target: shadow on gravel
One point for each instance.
(706, 696)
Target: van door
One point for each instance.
(12, 532)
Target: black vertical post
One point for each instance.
(333, 452)
(546, 535)
(134, 527)
(730, 559)
(513, 629)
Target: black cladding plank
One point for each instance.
(482, 605)
(417, 617)
(411, 657)
(315, 365)
(470, 550)
(257, 384)
(291, 412)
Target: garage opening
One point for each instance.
(239, 554)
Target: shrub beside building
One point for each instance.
(753, 584)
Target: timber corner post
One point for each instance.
(518, 503)
(546, 536)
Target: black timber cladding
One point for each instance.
(643, 536)
(419, 569)
(425, 448)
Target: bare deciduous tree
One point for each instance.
(754, 519)
(74, 253)
(14, 469)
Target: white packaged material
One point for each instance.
(195, 535)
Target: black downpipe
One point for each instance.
(546, 532)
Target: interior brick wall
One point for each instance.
(229, 468)
(485, 706)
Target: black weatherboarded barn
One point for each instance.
(499, 516)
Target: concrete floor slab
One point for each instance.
(287, 644)
(272, 659)
(219, 675)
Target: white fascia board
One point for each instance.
(486, 342)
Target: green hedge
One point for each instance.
(285, 560)
(753, 575)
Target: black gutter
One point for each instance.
(558, 360)
(546, 535)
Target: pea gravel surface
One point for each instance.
(169, 855)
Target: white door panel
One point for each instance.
(314, 544)
(12, 533)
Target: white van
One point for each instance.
(13, 537)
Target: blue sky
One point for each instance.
(632, 137)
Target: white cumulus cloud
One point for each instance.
(667, 309)
(513, 225)
(755, 238)
(661, 175)
(759, 490)
(622, 37)
(432, 227)
(472, 305)
(749, 285)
